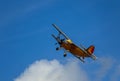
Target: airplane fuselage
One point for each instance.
(74, 49)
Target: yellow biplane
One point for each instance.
(66, 43)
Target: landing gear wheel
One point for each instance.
(57, 48)
(65, 55)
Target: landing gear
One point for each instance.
(65, 55)
(57, 48)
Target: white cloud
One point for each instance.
(45, 70)
(105, 64)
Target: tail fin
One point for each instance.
(90, 49)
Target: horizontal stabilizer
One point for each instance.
(93, 57)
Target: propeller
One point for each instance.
(62, 40)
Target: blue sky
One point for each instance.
(25, 31)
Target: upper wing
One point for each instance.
(58, 29)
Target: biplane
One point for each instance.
(66, 43)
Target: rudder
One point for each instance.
(90, 49)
